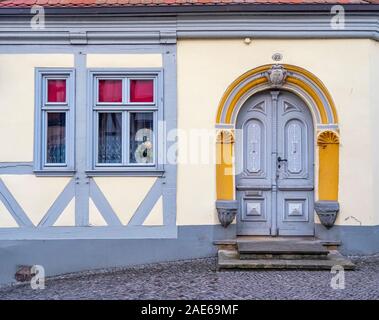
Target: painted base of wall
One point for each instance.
(63, 256)
(355, 240)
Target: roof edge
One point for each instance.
(187, 9)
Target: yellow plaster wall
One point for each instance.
(348, 68)
(17, 101)
(155, 217)
(35, 194)
(6, 219)
(67, 217)
(152, 60)
(95, 218)
(124, 194)
(207, 67)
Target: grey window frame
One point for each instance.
(125, 108)
(42, 108)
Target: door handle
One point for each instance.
(281, 160)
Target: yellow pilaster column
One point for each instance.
(224, 165)
(328, 145)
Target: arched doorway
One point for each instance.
(274, 152)
(308, 94)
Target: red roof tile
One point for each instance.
(122, 3)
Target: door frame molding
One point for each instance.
(324, 114)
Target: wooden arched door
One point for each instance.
(275, 166)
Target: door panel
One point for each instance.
(255, 212)
(254, 142)
(275, 197)
(253, 166)
(254, 124)
(293, 147)
(295, 176)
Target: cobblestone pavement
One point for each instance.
(198, 279)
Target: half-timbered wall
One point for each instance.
(84, 203)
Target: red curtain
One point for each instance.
(56, 90)
(141, 90)
(110, 90)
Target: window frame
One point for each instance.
(125, 108)
(42, 108)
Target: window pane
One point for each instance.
(141, 90)
(141, 138)
(109, 148)
(56, 138)
(56, 90)
(110, 90)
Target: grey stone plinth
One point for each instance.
(327, 211)
(227, 210)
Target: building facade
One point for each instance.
(128, 132)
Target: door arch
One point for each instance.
(316, 97)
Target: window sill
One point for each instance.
(125, 173)
(54, 173)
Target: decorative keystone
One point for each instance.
(227, 210)
(327, 211)
(276, 76)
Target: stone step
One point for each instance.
(282, 250)
(230, 259)
(288, 256)
(232, 243)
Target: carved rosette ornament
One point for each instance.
(225, 136)
(327, 137)
(276, 76)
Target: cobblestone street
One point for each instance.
(198, 279)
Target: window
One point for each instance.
(125, 111)
(141, 137)
(54, 120)
(56, 138)
(110, 137)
